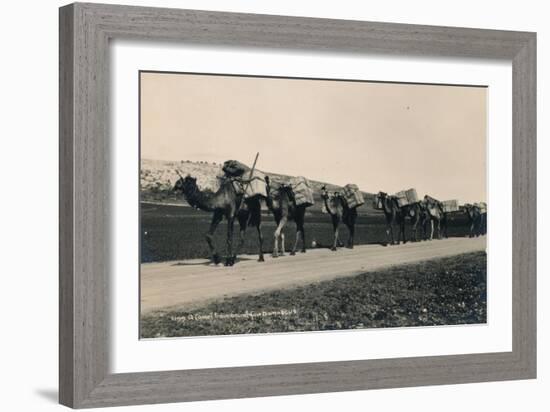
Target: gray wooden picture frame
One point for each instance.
(85, 31)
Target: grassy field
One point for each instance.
(447, 291)
(175, 232)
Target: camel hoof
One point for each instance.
(303, 251)
(229, 262)
(216, 259)
(261, 259)
(333, 249)
(293, 253)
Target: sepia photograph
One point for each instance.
(279, 205)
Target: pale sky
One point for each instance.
(380, 136)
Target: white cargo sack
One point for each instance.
(406, 197)
(353, 195)
(482, 207)
(450, 205)
(303, 193)
(255, 185)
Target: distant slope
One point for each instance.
(157, 178)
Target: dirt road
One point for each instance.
(185, 284)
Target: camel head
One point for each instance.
(431, 202)
(185, 184)
(471, 210)
(380, 199)
(287, 189)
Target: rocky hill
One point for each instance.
(157, 178)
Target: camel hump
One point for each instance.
(234, 168)
(353, 196)
(303, 192)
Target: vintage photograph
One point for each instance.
(276, 205)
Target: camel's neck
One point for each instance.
(198, 199)
(327, 205)
(280, 201)
(386, 204)
(269, 199)
(333, 205)
(345, 206)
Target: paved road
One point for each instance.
(189, 283)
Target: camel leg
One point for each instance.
(230, 260)
(336, 234)
(414, 229)
(261, 242)
(402, 227)
(302, 230)
(216, 219)
(242, 232)
(423, 224)
(351, 229)
(427, 231)
(445, 227)
(431, 229)
(335, 227)
(398, 232)
(283, 247)
(298, 234)
(243, 220)
(389, 233)
(277, 235)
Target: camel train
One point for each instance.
(240, 198)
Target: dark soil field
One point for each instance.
(171, 232)
(447, 291)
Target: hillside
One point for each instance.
(157, 178)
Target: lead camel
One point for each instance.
(227, 202)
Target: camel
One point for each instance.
(339, 211)
(444, 224)
(473, 214)
(226, 202)
(282, 204)
(418, 215)
(434, 210)
(394, 215)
